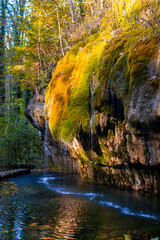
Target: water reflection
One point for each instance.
(67, 222)
(55, 206)
(93, 196)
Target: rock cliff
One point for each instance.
(56, 151)
(102, 110)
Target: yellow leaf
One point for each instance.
(34, 224)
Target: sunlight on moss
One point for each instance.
(68, 94)
(108, 58)
(127, 237)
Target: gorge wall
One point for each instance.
(100, 115)
(57, 151)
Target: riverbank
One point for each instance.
(13, 173)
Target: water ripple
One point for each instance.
(88, 194)
(92, 196)
(127, 211)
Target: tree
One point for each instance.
(3, 6)
(19, 143)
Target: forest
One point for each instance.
(34, 36)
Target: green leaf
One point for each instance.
(127, 237)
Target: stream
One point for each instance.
(61, 206)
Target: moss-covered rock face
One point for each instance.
(68, 94)
(103, 102)
(57, 152)
(122, 62)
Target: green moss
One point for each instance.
(126, 85)
(107, 154)
(74, 50)
(127, 237)
(88, 179)
(146, 152)
(110, 133)
(55, 168)
(139, 56)
(98, 101)
(82, 157)
(94, 31)
(70, 88)
(117, 64)
(119, 72)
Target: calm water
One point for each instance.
(56, 206)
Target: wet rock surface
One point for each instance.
(57, 151)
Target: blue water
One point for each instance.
(61, 206)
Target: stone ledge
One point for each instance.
(13, 173)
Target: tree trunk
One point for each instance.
(59, 30)
(82, 14)
(2, 52)
(72, 11)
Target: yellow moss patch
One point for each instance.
(67, 97)
(104, 58)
